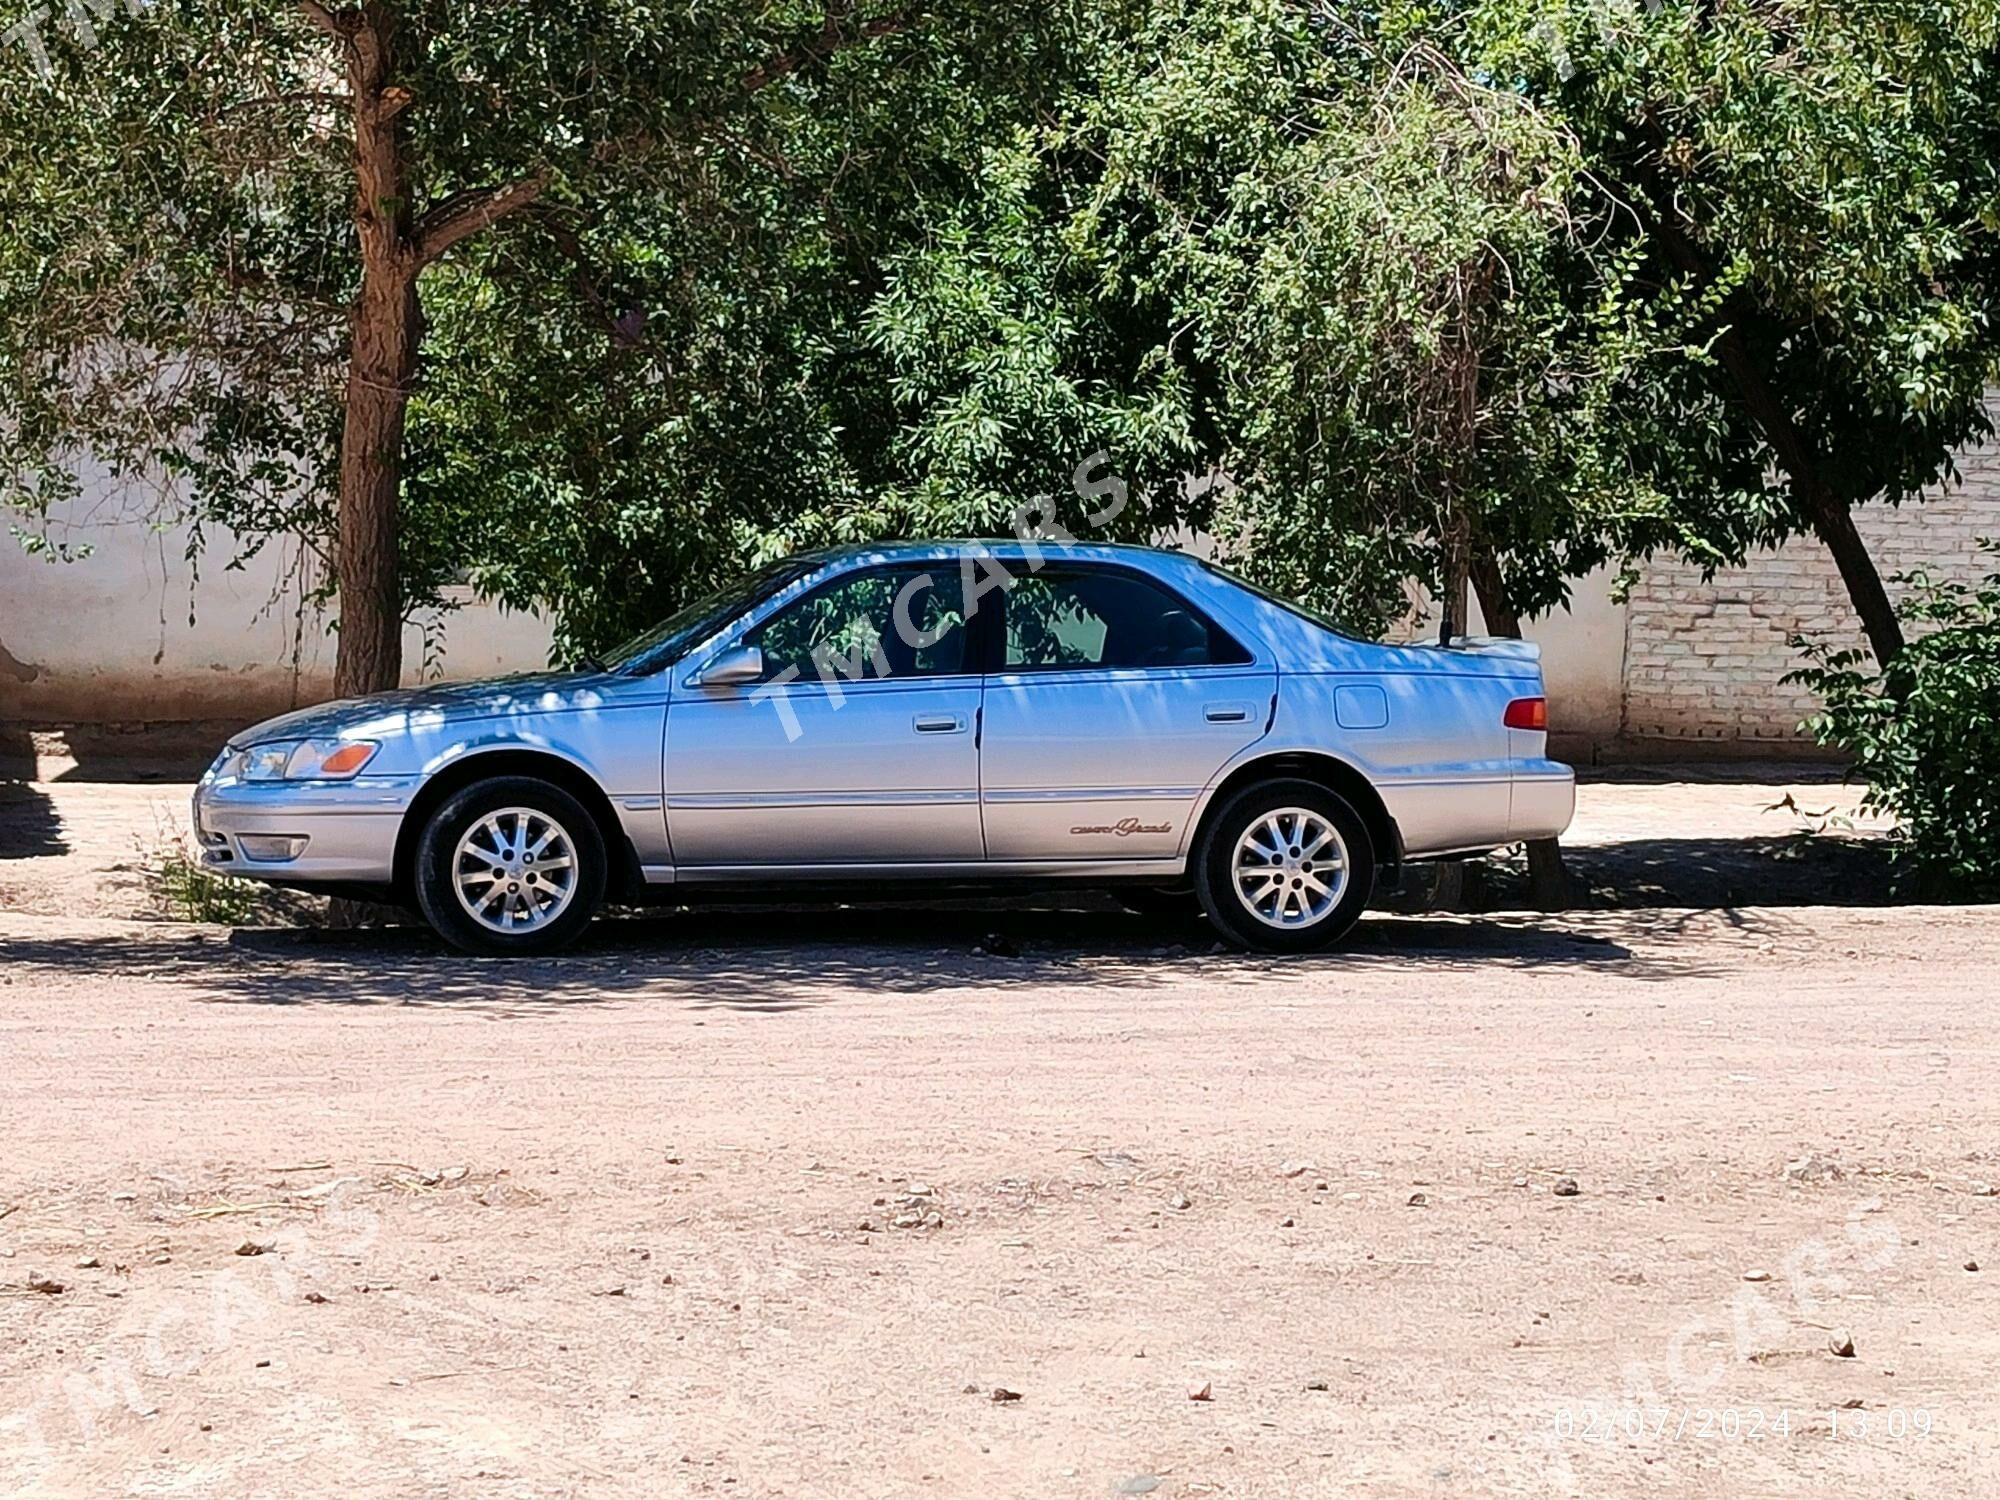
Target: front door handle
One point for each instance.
(1228, 713)
(940, 723)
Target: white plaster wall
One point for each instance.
(134, 633)
(1583, 657)
(130, 634)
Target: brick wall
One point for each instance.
(1703, 660)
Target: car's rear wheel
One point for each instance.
(512, 865)
(1285, 866)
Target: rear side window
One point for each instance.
(1077, 619)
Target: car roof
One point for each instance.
(898, 551)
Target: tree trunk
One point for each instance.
(386, 330)
(1833, 522)
(1454, 615)
(1795, 452)
(1832, 518)
(1548, 876)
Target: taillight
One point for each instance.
(1528, 713)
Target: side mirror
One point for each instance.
(737, 665)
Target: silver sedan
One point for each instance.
(958, 713)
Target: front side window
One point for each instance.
(1084, 618)
(893, 622)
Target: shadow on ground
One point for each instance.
(132, 754)
(1796, 869)
(773, 961)
(1800, 870)
(30, 827)
(1747, 771)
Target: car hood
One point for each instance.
(527, 692)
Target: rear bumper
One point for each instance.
(1486, 805)
(1544, 800)
(349, 828)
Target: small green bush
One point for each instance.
(1925, 734)
(183, 889)
(187, 892)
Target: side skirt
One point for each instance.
(981, 871)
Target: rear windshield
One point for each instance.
(1289, 606)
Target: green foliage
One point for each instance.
(1326, 282)
(1832, 171)
(1324, 259)
(187, 891)
(1381, 268)
(654, 372)
(1925, 735)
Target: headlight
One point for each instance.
(267, 762)
(307, 760)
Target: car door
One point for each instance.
(1114, 701)
(857, 746)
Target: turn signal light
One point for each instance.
(1528, 713)
(350, 758)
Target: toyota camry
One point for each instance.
(952, 713)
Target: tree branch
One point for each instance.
(464, 214)
(323, 18)
(308, 96)
(834, 37)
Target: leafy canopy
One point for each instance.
(621, 390)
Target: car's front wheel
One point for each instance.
(512, 865)
(1285, 866)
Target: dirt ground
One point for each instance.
(759, 1204)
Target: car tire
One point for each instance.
(1298, 907)
(514, 904)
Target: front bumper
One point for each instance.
(349, 828)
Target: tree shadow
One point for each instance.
(775, 960)
(30, 827)
(139, 754)
(1805, 869)
(1746, 771)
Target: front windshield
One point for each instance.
(667, 641)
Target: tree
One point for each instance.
(1327, 260)
(232, 229)
(1826, 177)
(1323, 259)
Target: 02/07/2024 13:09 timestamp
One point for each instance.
(1729, 1424)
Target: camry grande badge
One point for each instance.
(1123, 827)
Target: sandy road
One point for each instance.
(626, 1223)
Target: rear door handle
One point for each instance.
(1228, 713)
(940, 723)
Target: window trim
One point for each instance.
(972, 662)
(997, 639)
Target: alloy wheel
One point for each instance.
(515, 870)
(1290, 868)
